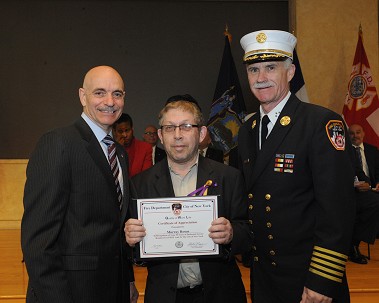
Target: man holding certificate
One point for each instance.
(214, 211)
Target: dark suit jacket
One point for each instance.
(215, 154)
(372, 159)
(301, 202)
(221, 276)
(72, 228)
(159, 155)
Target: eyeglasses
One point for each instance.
(151, 133)
(100, 94)
(183, 127)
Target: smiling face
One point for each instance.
(356, 134)
(102, 96)
(181, 145)
(269, 81)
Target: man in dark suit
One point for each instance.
(72, 228)
(299, 177)
(367, 176)
(369, 154)
(199, 279)
(150, 135)
(206, 149)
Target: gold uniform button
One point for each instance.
(268, 224)
(250, 221)
(270, 237)
(250, 196)
(251, 207)
(268, 209)
(273, 264)
(272, 252)
(256, 259)
(267, 196)
(254, 247)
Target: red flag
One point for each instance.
(362, 103)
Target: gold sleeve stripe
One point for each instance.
(333, 272)
(316, 272)
(330, 252)
(330, 258)
(341, 268)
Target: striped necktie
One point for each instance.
(108, 140)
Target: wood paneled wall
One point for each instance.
(12, 176)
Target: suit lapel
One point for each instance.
(205, 173)
(276, 137)
(97, 154)
(163, 185)
(252, 141)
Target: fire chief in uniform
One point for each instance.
(295, 158)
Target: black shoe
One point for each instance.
(356, 256)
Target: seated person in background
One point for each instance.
(369, 154)
(366, 224)
(206, 149)
(139, 152)
(150, 135)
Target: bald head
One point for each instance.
(101, 73)
(102, 96)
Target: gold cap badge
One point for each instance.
(261, 37)
(285, 120)
(253, 124)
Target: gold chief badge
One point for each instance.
(285, 120)
(261, 38)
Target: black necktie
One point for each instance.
(108, 140)
(264, 129)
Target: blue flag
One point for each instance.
(228, 107)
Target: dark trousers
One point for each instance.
(367, 219)
(190, 295)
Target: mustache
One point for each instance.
(263, 84)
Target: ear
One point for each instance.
(160, 135)
(203, 132)
(82, 97)
(291, 72)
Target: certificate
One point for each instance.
(177, 227)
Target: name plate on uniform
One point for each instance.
(177, 227)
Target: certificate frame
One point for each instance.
(177, 228)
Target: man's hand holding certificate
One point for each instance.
(178, 227)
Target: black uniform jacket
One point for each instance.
(72, 228)
(300, 187)
(221, 276)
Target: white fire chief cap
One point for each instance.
(268, 45)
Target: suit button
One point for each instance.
(251, 207)
(250, 196)
(267, 196)
(272, 252)
(270, 237)
(268, 209)
(268, 224)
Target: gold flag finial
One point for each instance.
(226, 33)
